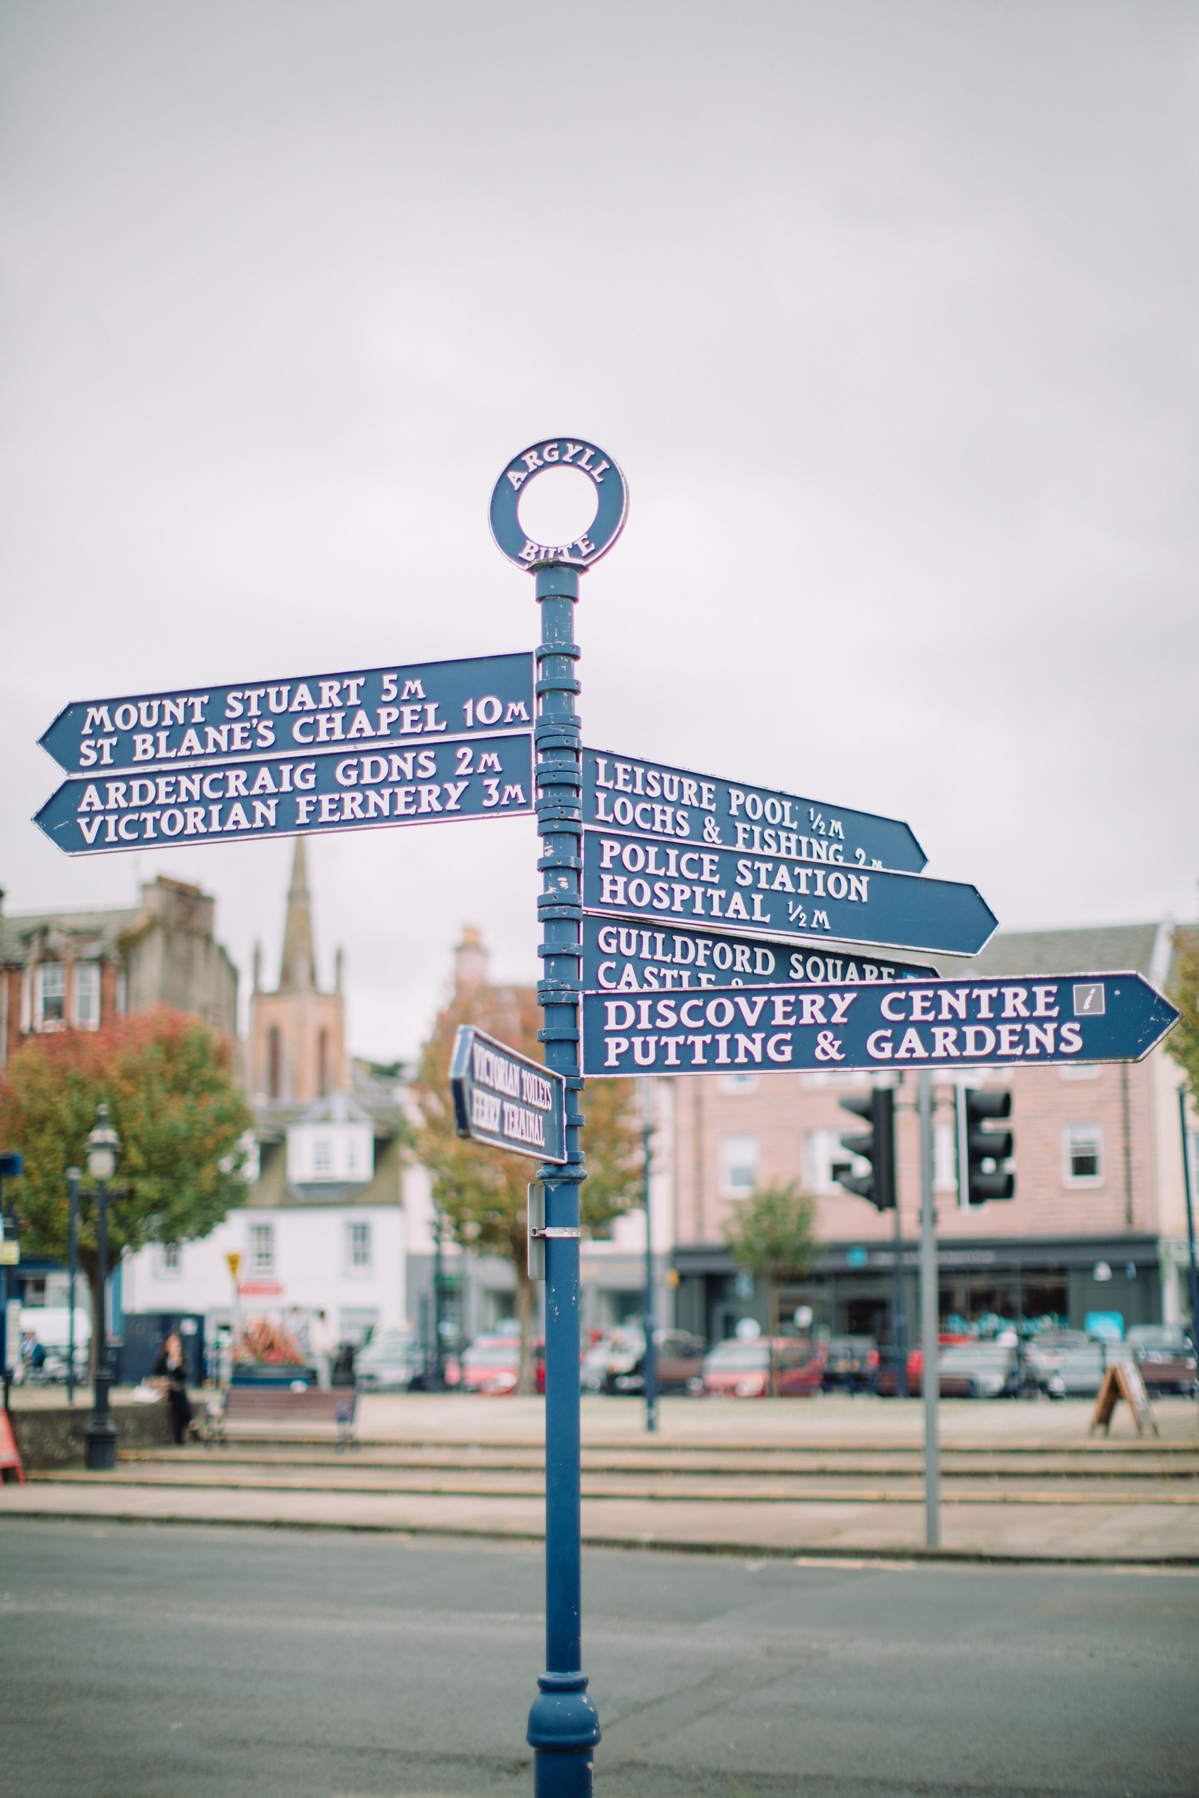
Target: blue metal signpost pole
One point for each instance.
(563, 1723)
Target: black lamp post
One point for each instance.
(74, 1176)
(103, 1147)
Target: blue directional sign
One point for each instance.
(503, 1098)
(647, 799)
(611, 499)
(773, 896)
(352, 789)
(1022, 1021)
(639, 958)
(253, 721)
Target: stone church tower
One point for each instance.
(297, 1046)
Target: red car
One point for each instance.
(887, 1384)
(492, 1365)
(737, 1369)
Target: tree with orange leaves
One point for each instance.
(175, 1100)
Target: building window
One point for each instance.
(945, 1158)
(51, 994)
(169, 1261)
(262, 1249)
(1074, 1071)
(824, 1159)
(358, 1248)
(322, 1063)
(738, 1165)
(738, 1085)
(274, 1063)
(87, 995)
(1083, 1154)
(322, 1155)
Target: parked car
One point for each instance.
(886, 1384)
(1065, 1363)
(977, 1369)
(617, 1362)
(388, 1362)
(737, 1369)
(850, 1362)
(492, 1365)
(1166, 1357)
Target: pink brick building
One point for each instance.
(1097, 1222)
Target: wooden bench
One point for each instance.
(257, 1404)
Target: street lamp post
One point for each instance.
(650, 1363)
(74, 1176)
(438, 1345)
(103, 1146)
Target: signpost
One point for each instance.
(1030, 1021)
(676, 806)
(373, 706)
(503, 1098)
(779, 895)
(355, 788)
(563, 1722)
(631, 958)
(716, 923)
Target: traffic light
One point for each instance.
(981, 1151)
(876, 1145)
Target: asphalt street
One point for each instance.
(183, 1662)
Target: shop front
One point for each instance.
(984, 1287)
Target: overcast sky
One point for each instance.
(889, 314)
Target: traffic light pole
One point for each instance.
(1193, 1270)
(650, 1364)
(929, 1319)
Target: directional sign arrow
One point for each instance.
(353, 789)
(635, 958)
(650, 800)
(503, 1098)
(771, 896)
(294, 716)
(1025, 1021)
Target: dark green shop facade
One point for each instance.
(984, 1286)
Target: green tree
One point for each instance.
(772, 1235)
(175, 1101)
(1183, 1040)
(481, 1191)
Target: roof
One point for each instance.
(1142, 948)
(99, 930)
(334, 1108)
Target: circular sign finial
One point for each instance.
(612, 498)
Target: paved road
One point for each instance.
(185, 1662)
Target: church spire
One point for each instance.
(299, 958)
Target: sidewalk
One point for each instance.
(1023, 1481)
(1077, 1532)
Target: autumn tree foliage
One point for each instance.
(481, 1191)
(1183, 1040)
(175, 1100)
